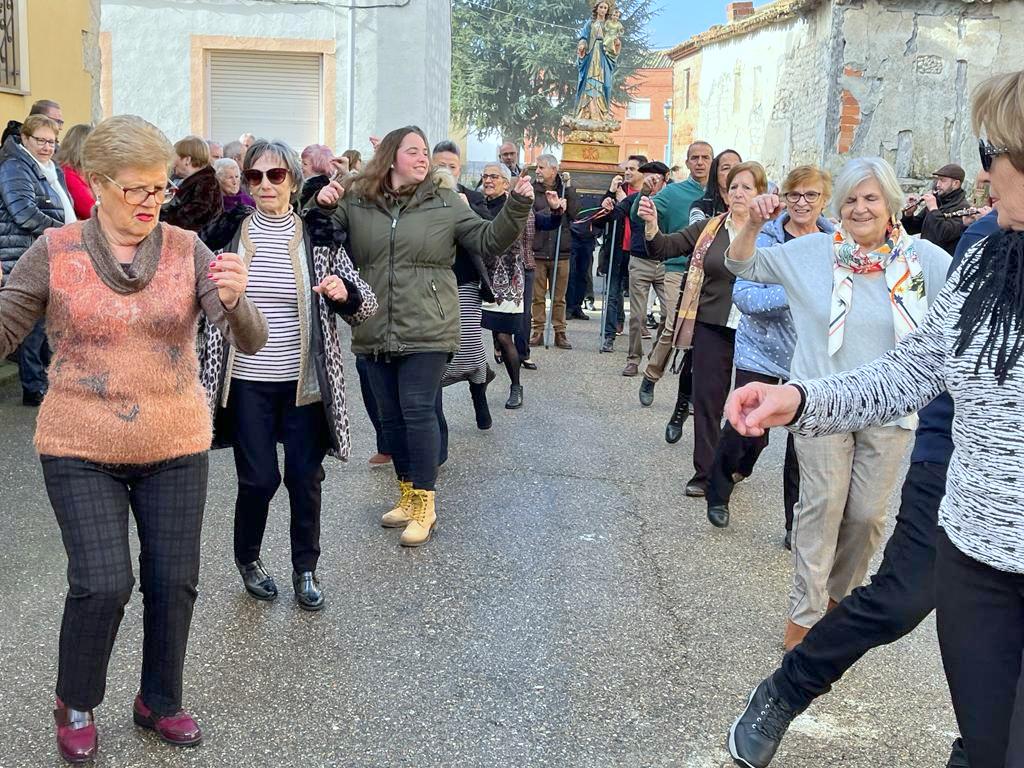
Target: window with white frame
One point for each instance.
(639, 109)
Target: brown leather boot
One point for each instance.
(795, 635)
(562, 341)
(536, 340)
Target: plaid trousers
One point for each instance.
(91, 502)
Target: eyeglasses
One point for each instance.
(810, 197)
(491, 177)
(274, 175)
(44, 142)
(140, 195)
(989, 153)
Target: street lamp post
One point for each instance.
(668, 119)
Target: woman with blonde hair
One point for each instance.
(126, 424)
(406, 346)
(970, 344)
(69, 158)
(765, 339)
(853, 294)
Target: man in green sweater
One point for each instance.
(674, 201)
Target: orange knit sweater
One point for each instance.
(124, 385)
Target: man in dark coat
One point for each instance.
(932, 223)
(199, 199)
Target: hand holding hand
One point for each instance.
(754, 408)
(647, 211)
(333, 287)
(524, 187)
(329, 196)
(229, 274)
(764, 208)
(608, 204)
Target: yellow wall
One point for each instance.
(56, 61)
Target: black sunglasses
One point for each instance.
(275, 175)
(989, 153)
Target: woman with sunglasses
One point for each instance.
(852, 294)
(125, 424)
(292, 391)
(970, 345)
(403, 226)
(33, 197)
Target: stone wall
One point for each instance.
(908, 72)
(685, 104)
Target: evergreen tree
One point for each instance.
(514, 62)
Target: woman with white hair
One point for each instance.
(853, 295)
(229, 176)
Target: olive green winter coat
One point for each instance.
(406, 254)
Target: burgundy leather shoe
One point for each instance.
(178, 729)
(76, 734)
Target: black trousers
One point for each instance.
(370, 403)
(736, 453)
(980, 613)
(712, 377)
(264, 414)
(91, 502)
(406, 389)
(522, 336)
(898, 598)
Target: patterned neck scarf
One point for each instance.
(903, 276)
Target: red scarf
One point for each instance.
(627, 230)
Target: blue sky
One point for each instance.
(679, 19)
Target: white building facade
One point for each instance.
(306, 71)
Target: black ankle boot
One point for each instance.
(674, 430)
(483, 413)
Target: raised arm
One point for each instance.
(480, 237)
(24, 296)
(243, 325)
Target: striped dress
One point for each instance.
(470, 362)
(272, 288)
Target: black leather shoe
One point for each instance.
(257, 581)
(647, 392)
(788, 541)
(757, 733)
(515, 398)
(718, 515)
(958, 757)
(694, 489)
(31, 399)
(529, 365)
(307, 590)
(608, 345)
(674, 429)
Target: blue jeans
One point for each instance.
(618, 279)
(33, 357)
(579, 269)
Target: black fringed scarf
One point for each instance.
(994, 304)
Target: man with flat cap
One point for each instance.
(933, 223)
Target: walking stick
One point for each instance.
(549, 329)
(608, 280)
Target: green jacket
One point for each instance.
(406, 254)
(673, 204)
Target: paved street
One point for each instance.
(573, 609)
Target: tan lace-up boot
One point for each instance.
(423, 517)
(399, 516)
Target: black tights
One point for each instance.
(509, 355)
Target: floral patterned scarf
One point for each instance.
(689, 300)
(903, 276)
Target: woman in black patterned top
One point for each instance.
(971, 344)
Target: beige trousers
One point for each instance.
(661, 353)
(846, 482)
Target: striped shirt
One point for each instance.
(272, 288)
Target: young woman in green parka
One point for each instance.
(403, 226)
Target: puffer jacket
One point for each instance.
(405, 250)
(766, 335)
(28, 205)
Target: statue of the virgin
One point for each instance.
(600, 42)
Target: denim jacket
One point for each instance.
(766, 336)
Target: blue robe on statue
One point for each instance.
(595, 80)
